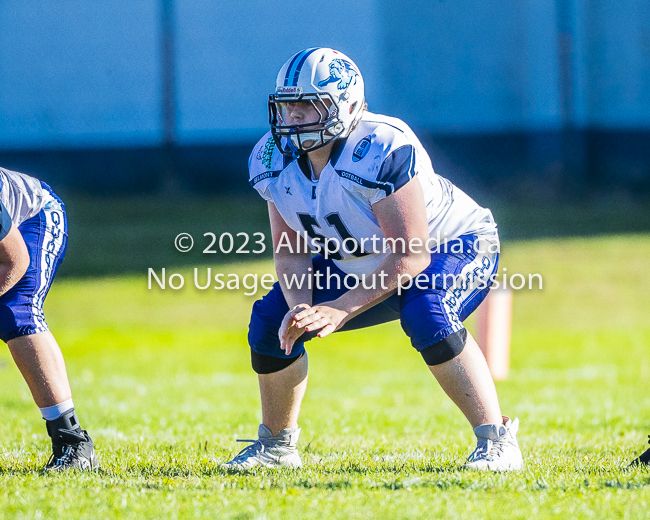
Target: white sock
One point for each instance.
(50, 413)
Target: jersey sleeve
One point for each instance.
(396, 170)
(264, 166)
(380, 159)
(5, 221)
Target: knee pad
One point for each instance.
(263, 364)
(446, 349)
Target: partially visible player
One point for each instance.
(644, 458)
(339, 174)
(33, 241)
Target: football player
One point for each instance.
(33, 240)
(360, 188)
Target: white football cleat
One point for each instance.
(497, 448)
(268, 451)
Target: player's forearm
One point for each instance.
(383, 282)
(294, 274)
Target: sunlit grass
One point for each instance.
(162, 380)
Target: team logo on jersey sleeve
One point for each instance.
(361, 149)
(265, 153)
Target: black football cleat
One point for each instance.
(643, 459)
(72, 447)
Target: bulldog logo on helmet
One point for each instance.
(341, 71)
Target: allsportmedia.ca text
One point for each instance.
(439, 243)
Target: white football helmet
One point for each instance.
(332, 83)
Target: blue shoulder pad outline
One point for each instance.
(399, 167)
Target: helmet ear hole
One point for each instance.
(353, 106)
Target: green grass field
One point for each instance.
(162, 381)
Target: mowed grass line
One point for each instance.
(162, 380)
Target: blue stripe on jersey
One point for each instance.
(387, 187)
(265, 175)
(337, 150)
(398, 168)
(5, 221)
(286, 160)
(293, 72)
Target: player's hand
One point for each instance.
(325, 318)
(288, 332)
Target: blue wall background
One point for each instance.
(543, 94)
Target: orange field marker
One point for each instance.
(493, 331)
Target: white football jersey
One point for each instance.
(378, 157)
(22, 195)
